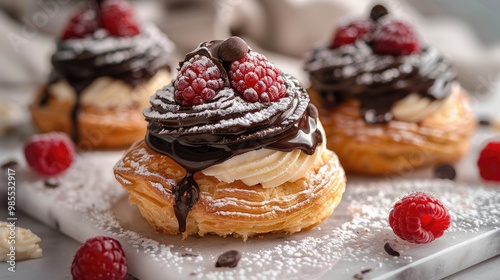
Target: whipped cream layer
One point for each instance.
(204, 135)
(108, 93)
(267, 167)
(378, 81)
(414, 107)
(130, 59)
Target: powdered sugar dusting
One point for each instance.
(227, 111)
(355, 233)
(85, 186)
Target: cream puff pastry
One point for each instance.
(244, 161)
(102, 80)
(388, 105)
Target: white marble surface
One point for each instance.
(348, 242)
(89, 202)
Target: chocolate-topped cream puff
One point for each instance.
(104, 69)
(387, 103)
(233, 147)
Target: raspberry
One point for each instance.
(198, 81)
(117, 17)
(82, 23)
(100, 257)
(489, 162)
(50, 154)
(395, 38)
(348, 34)
(419, 218)
(256, 78)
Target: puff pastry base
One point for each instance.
(97, 128)
(397, 147)
(230, 209)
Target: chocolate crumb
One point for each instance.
(484, 121)
(228, 259)
(359, 276)
(232, 49)
(445, 171)
(189, 255)
(377, 12)
(9, 163)
(366, 270)
(52, 183)
(390, 251)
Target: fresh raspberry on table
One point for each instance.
(50, 154)
(256, 79)
(419, 218)
(83, 22)
(100, 258)
(351, 32)
(198, 81)
(395, 37)
(118, 18)
(489, 162)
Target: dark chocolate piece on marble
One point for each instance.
(389, 250)
(445, 171)
(228, 259)
(51, 183)
(484, 121)
(9, 164)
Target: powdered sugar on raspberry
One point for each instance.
(228, 111)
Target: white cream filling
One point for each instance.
(414, 107)
(25, 243)
(11, 115)
(267, 167)
(109, 93)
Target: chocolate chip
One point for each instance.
(445, 171)
(390, 251)
(228, 259)
(232, 49)
(52, 183)
(377, 12)
(366, 270)
(189, 255)
(9, 164)
(359, 276)
(484, 121)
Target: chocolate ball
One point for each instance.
(445, 171)
(377, 12)
(232, 49)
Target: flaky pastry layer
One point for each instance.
(101, 128)
(230, 208)
(398, 147)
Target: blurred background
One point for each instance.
(466, 31)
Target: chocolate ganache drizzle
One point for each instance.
(377, 80)
(133, 60)
(204, 135)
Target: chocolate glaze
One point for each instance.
(204, 135)
(377, 81)
(133, 60)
